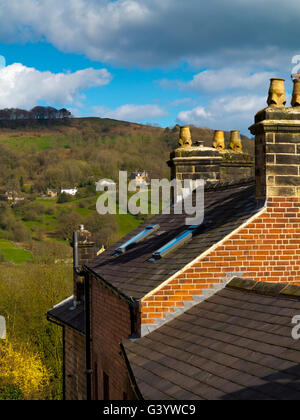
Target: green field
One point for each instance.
(35, 144)
(14, 253)
(126, 222)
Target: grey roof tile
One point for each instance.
(246, 354)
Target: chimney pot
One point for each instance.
(185, 139)
(296, 93)
(219, 140)
(276, 93)
(235, 141)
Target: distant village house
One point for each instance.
(70, 191)
(13, 197)
(51, 193)
(140, 178)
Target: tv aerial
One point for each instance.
(295, 76)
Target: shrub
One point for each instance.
(84, 204)
(50, 252)
(63, 198)
(23, 371)
(50, 211)
(104, 228)
(11, 392)
(27, 291)
(30, 211)
(67, 223)
(19, 233)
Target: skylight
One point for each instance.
(174, 243)
(149, 230)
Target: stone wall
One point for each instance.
(277, 152)
(210, 164)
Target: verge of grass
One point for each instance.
(14, 253)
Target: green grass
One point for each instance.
(48, 222)
(14, 253)
(84, 212)
(34, 144)
(127, 223)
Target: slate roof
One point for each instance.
(226, 207)
(236, 345)
(65, 313)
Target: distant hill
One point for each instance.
(78, 151)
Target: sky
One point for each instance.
(162, 62)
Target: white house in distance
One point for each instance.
(102, 183)
(69, 191)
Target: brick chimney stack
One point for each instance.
(86, 252)
(217, 163)
(277, 146)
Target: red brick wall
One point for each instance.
(110, 325)
(266, 249)
(75, 377)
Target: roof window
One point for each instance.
(174, 243)
(149, 230)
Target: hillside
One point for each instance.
(41, 154)
(79, 151)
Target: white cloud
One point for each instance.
(160, 32)
(130, 112)
(249, 104)
(194, 116)
(227, 78)
(226, 112)
(24, 87)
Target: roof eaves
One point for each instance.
(265, 288)
(61, 323)
(218, 185)
(131, 300)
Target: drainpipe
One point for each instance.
(83, 273)
(133, 309)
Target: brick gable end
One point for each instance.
(266, 249)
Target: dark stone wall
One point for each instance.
(210, 164)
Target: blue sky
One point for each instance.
(157, 61)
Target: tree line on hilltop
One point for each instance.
(36, 113)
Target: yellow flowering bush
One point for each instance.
(23, 369)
